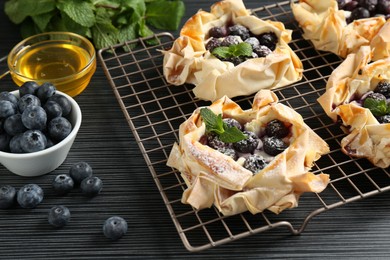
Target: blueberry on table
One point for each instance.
(91, 186)
(7, 196)
(114, 227)
(33, 141)
(59, 216)
(249, 144)
(62, 184)
(13, 125)
(7, 108)
(28, 100)
(28, 87)
(29, 196)
(63, 102)
(45, 91)
(273, 145)
(34, 117)
(276, 128)
(254, 163)
(79, 171)
(59, 128)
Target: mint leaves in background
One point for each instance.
(105, 22)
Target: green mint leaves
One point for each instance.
(215, 124)
(105, 22)
(377, 107)
(237, 50)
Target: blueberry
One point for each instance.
(62, 184)
(59, 216)
(383, 7)
(114, 227)
(231, 40)
(276, 128)
(370, 5)
(384, 119)
(34, 117)
(376, 96)
(359, 13)
(236, 60)
(45, 91)
(28, 87)
(91, 186)
(29, 196)
(341, 3)
(273, 145)
(231, 122)
(239, 30)
(383, 88)
(214, 142)
(254, 163)
(213, 43)
(28, 100)
(33, 141)
(4, 142)
(49, 142)
(249, 144)
(63, 102)
(350, 5)
(13, 125)
(268, 39)
(7, 196)
(79, 171)
(218, 32)
(53, 109)
(262, 51)
(59, 128)
(253, 41)
(15, 145)
(229, 151)
(5, 95)
(7, 108)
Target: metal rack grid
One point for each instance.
(154, 110)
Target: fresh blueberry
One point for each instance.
(218, 32)
(231, 40)
(5, 95)
(59, 216)
(4, 142)
(239, 30)
(63, 102)
(91, 186)
(276, 128)
(33, 141)
(34, 117)
(79, 171)
(273, 145)
(59, 128)
(249, 144)
(28, 100)
(213, 43)
(359, 13)
(231, 122)
(53, 109)
(268, 39)
(383, 88)
(45, 91)
(262, 51)
(62, 184)
(7, 108)
(214, 142)
(370, 5)
(253, 41)
(15, 145)
(13, 125)
(383, 7)
(29, 196)
(254, 163)
(114, 227)
(28, 87)
(7, 196)
(228, 151)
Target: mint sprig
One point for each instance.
(242, 49)
(216, 125)
(377, 107)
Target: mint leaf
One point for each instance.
(42, 20)
(82, 12)
(377, 107)
(237, 50)
(222, 52)
(18, 10)
(165, 15)
(232, 135)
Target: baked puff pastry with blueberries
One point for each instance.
(228, 51)
(247, 160)
(342, 26)
(357, 94)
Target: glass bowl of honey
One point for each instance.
(65, 59)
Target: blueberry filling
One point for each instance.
(360, 9)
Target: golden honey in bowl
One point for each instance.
(63, 59)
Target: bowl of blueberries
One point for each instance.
(38, 125)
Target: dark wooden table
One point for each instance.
(359, 230)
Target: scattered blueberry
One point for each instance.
(59, 216)
(254, 163)
(13, 125)
(249, 144)
(59, 128)
(7, 196)
(28, 87)
(79, 171)
(276, 128)
(33, 141)
(29, 196)
(273, 145)
(115, 227)
(91, 186)
(62, 184)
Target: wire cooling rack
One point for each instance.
(154, 110)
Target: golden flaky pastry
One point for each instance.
(188, 61)
(325, 26)
(215, 178)
(347, 87)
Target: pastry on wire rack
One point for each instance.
(228, 51)
(342, 26)
(357, 95)
(247, 160)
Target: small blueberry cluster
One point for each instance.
(37, 120)
(359, 9)
(273, 142)
(380, 93)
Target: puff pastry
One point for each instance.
(214, 178)
(325, 26)
(188, 61)
(348, 85)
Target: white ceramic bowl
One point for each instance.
(47, 160)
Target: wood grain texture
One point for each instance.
(358, 230)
